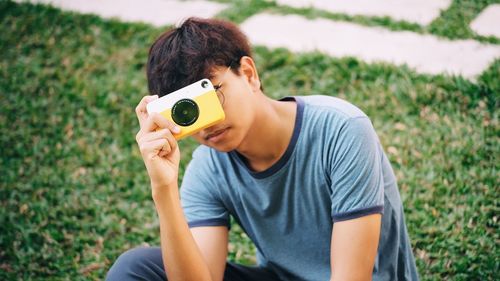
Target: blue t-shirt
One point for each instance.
(334, 169)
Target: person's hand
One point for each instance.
(158, 147)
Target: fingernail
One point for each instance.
(177, 129)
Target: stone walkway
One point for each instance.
(154, 12)
(418, 11)
(488, 22)
(424, 53)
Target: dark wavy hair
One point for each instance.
(188, 53)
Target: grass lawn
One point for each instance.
(74, 192)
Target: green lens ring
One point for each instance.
(185, 112)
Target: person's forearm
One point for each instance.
(181, 257)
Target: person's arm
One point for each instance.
(196, 254)
(212, 242)
(354, 248)
(182, 257)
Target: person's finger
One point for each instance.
(141, 111)
(165, 150)
(156, 120)
(172, 142)
(166, 133)
(163, 133)
(151, 136)
(152, 148)
(162, 153)
(143, 137)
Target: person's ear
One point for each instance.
(249, 71)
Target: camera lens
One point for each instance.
(185, 112)
(204, 84)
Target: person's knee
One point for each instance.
(143, 262)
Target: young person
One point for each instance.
(305, 177)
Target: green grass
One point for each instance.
(74, 192)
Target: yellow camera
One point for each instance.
(194, 108)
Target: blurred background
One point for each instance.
(74, 192)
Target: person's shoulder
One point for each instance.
(333, 105)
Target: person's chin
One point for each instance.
(222, 147)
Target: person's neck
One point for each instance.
(270, 134)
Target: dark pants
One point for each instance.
(147, 264)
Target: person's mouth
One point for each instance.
(216, 135)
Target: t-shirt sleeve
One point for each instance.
(356, 171)
(200, 200)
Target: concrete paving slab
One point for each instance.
(422, 12)
(425, 53)
(487, 23)
(155, 12)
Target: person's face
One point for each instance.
(238, 104)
